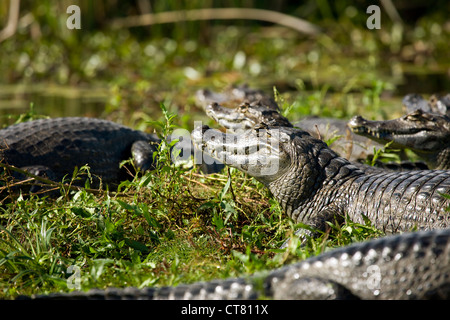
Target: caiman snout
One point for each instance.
(256, 152)
(356, 121)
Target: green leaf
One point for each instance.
(98, 267)
(217, 221)
(81, 212)
(228, 209)
(224, 190)
(137, 245)
(125, 205)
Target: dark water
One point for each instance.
(64, 101)
(54, 101)
(424, 83)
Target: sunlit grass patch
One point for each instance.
(164, 227)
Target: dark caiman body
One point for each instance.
(54, 147)
(408, 266)
(314, 185)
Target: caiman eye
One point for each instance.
(416, 115)
(260, 126)
(243, 107)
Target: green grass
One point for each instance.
(164, 227)
(173, 225)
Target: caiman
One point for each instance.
(315, 186)
(409, 266)
(241, 108)
(426, 134)
(54, 147)
(435, 104)
(252, 114)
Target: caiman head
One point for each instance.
(246, 116)
(254, 108)
(235, 96)
(290, 162)
(436, 103)
(426, 134)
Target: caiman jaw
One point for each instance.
(229, 118)
(419, 131)
(373, 129)
(246, 116)
(256, 152)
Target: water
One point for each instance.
(64, 101)
(424, 83)
(51, 100)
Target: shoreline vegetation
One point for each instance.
(175, 225)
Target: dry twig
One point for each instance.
(295, 23)
(13, 17)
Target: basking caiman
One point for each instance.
(54, 147)
(250, 115)
(314, 185)
(435, 104)
(356, 146)
(408, 266)
(426, 134)
(255, 107)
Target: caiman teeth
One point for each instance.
(367, 131)
(382, 133)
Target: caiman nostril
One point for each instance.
(204, 128)
(214, 105)
(356, 121)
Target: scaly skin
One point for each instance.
(436, 104)
(408, 266)
(427, 134)
(236, 96)
(56, 146)
(356, 147)
(250, 115)
(358, 137)
(253, 113)
(314, 185)
(243, 108)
